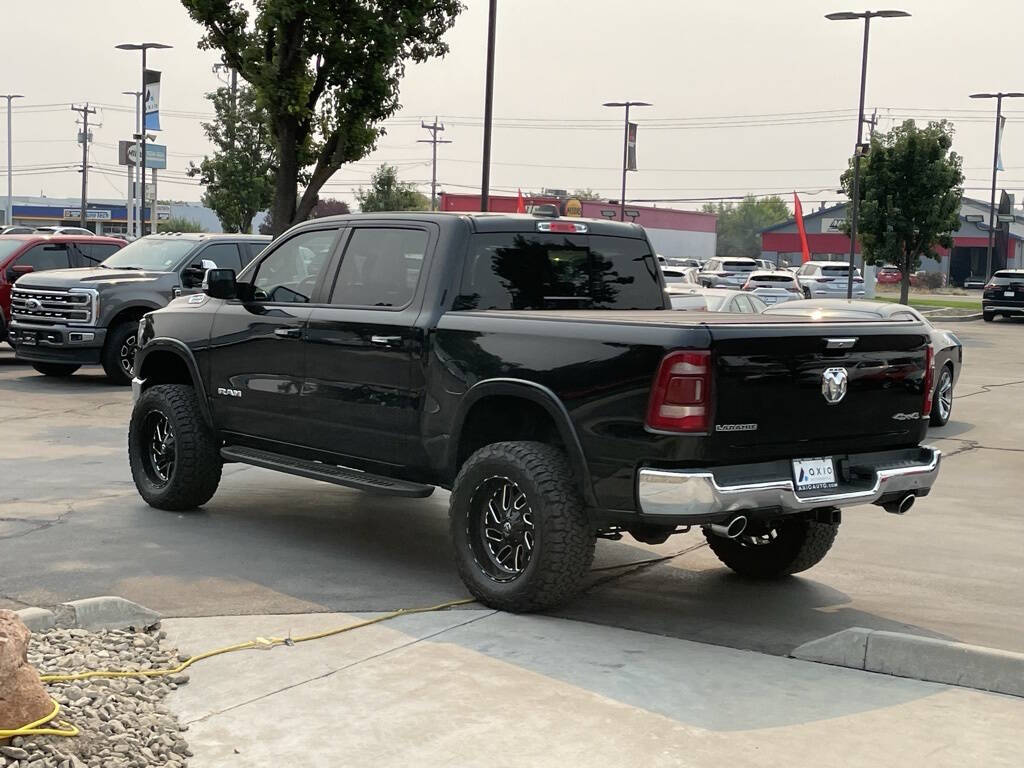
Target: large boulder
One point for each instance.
(23, 699)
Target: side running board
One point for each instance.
(327, 473)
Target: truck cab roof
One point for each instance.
(501, 222)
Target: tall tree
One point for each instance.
(329, 206)
(239, 176)
(910, 192)
(387, 193)
(739, 224)
(327, 73)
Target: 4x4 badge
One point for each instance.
(833, 384)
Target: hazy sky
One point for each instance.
(749, 95)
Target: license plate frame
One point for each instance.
(814, 474)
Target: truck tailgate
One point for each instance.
(770, 389)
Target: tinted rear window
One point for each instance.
(1007, 278)
(772, 278)
(738, 266)
(542, 271)
(843, 270)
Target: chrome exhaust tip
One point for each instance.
(902, 506)
(730, 530)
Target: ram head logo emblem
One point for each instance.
(833, 384)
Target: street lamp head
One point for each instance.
(983, 95)
(851, 15)
(140, 46)
(845, 16)
(891, 14)
(10, 96)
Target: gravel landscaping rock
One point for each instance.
(123, 721)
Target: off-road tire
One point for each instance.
(117, 338)
(801, 544)
(988, 317)
(60, 370)
(564, 538)
(197, 461)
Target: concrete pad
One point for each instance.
(37, 619)
(105, 612)
(540, 691)
(920, 658)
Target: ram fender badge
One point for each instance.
(229, 392)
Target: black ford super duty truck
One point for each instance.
(66, 318)
(533, 367)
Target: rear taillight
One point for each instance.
(858, 279)
(825, 279)
(929, 380)
(794, 288)
(681, 397)
(749, 286)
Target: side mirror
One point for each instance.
(220, 284)
(192, 276)
(18, 270)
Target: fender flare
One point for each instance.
(180, 350)
(542, 396)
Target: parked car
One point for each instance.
(888, 275)
(774, 287)
(828, 279)
(61, 230)
(63, 320)
(429, 350)
(677, 262)
(24, 254)
(948, 349)
(1003, 295)
(724, 272)
(681, 276)
(715, 300)
(16, 229)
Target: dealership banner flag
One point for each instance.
(151, 83)
(798, 214)
(999, 143)
(520, 205)
(631, 147)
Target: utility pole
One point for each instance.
(85, 112)
(434, 128)
(872, 122)
(8, 218)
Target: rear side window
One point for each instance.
(224, 255)
(540, 271)
(250, 251)
(91, 254)
(380, 268)
(43, 257)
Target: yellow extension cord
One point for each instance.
(260, 643)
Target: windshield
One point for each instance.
(153, 254)
(7, 247)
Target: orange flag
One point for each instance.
(798, 213)
(520, 205)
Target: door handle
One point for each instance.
(288, 333)
(385, 341)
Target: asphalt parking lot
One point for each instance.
(72, 525)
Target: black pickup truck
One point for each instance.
(532, 366)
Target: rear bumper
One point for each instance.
(821, 293)
(708, 495)
(1005, 309)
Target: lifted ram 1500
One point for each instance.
(533, 367)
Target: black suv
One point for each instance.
(1004, 294)
(63, 319)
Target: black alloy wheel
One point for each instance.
(160, 449)
(500, 528)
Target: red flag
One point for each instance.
(798, 213)
(520, 205)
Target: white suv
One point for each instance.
(726, 272)
(828, 280)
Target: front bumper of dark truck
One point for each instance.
(58, 343)
(714, 494)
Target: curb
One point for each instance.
(91, 613)
(919, 658)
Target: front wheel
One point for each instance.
(174, 457)
(775, 549)
(522, 539)
(61, 370)
(942, 400)
(119, 353)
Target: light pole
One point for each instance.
(143, 47)
(859, 149)
(134, 228)
(625, 148)
(995, 168)
(485, 175)
(10, 209)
